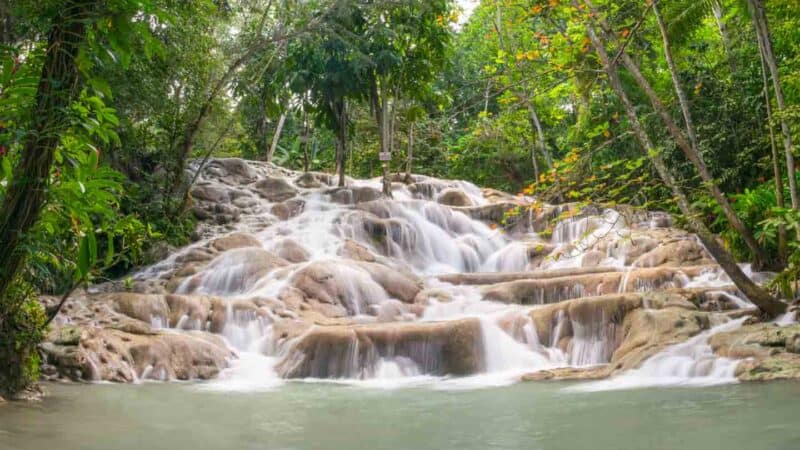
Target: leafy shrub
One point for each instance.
(22, 326)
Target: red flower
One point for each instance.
(2, 150)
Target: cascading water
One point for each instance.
(351, 259)
(688, 363)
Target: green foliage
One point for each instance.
(22, 326)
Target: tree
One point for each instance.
(63, 120)
(688, 146)
(761, 27)
(404, 43)
(758, 295)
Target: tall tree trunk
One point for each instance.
(719, 15)
(187, 197)
(535, 163)
(759, 17)
(755, 293)
(777, 173)
(27, 190)
(533, 117)
(379, 103)
(276, 137)
(537, 124)
(6, 24)
(689, 149)
(676, 82)
(384, 131)
(304, 143)
(410, 153)
(187, 142)
(340, 110)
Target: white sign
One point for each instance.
(385, 156)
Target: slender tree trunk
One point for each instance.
(537, 124)
(719, 15)
(304, 142)
(186, 144)
(410, 153)
(676, 82)
(276, 137)
(533, 117)
(688, 147)
(486, 96)
(340, 108)
(379, 103)
(759, 17)
(535, 163)
(187, 192)
(384, 130)
(755, 293)
(27, 191)
(776, 160)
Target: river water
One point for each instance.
(301, 415)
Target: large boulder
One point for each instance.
(354, 194)
(614, 330)
(682, 252)
(356, 351)
(106, 354)
(234, 271)
(454, 197)
(235, 240)
(288, 209)
(399, 284)
(551, 290)
(151, 309)
(275, 189)
(340, 284)
(236, 169)
(291, 251)
(210, 193)
(767, 351)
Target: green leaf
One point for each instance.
(84, 257)
(109, 251)
(101, 86)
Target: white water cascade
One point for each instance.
(343, 284)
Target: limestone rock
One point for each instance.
(235, 270)
(569, 373)
(454, 197)
(235, 240)
(291, 251)
(275, 189)
(147, 308)
(683, 252)
(236, 168)
(288, 209)
(782, 366)
(210, 193)
(118, 356)
(399, 284)
(354, 194)
(437, 348)
(768, 352)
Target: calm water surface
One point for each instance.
(328, 416)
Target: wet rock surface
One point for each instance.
(342, 282)
(770, 352)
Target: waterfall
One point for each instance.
(342, 283)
